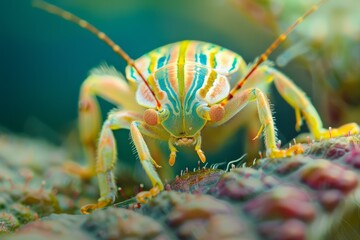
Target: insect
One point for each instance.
(174, 92)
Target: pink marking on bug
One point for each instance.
(142, 63)
(173, 78)
(224, 63)
(217, 112)
(190, 52)
(146, 95)
(220, 85)
(189, 77)
(151, 117)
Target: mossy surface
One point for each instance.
(309, 196)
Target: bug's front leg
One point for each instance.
(103, 82)
(240, 100)
(148, 163)
(106, 156)
(304, 108)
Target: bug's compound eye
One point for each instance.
(151, 117)
(216, 112)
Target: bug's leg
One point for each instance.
(148, 163)
(304, 108)
(240, 100)
(106, 158)
(198, 150)
(106, 155)
(173, 151)
(106, 83)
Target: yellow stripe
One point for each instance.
(153, 60)
(212, 54)
(213, 74)
(209, 83)
(181, 69)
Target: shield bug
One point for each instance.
(172, 93)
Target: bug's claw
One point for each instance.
(259, 132)
(155, 163)
(85, 173)
(201, 155)
(344, 130)
(87, 209)
(172, 158)
(281, 153)
(143, 196)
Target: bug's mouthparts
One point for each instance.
(183, 141)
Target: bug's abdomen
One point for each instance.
(189, 68)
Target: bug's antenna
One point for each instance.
(101, 35)
(270, 49)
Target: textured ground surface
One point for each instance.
(311, 196)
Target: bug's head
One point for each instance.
(184, 126)
(178, 124)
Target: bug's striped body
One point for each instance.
(184, 87)
(184, 76)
